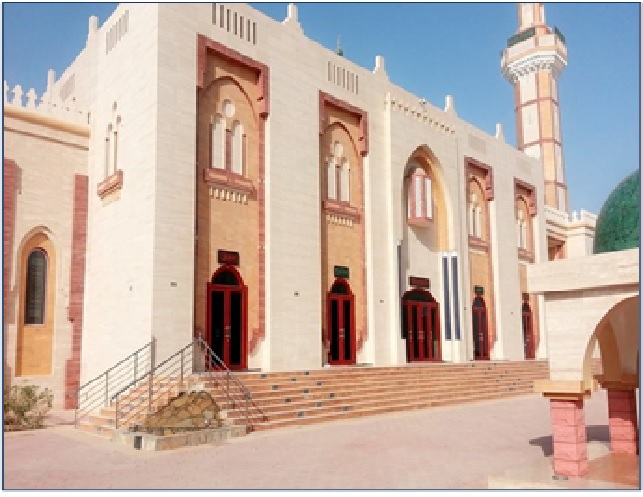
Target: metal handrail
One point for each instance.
(95, 393)
(130, 408)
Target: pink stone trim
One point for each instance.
(77, 288)
(569, 437)
(110, 184)
(222, 178)
(341, 209)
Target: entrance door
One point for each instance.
(480, 332)
(341, 324)
(421, 326)
(226, 319)
(528, 331)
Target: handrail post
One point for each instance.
(135, 366)
(106, 388)
(152, 366)
(116, 420)
(181, 374)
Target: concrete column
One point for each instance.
(569, 437)
(624, 432)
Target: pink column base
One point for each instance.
(624, 433)
(569, 437)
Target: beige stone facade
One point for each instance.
(213, 132)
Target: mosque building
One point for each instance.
(202, 170)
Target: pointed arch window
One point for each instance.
(420, 197)
(217, 143)
(237, 148)
(345, 181)
(36, 285)
(338, 174)
(475, 216)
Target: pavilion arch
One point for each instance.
(617, 335)
(217, 84)
(424, 158)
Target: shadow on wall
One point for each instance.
(595, 433)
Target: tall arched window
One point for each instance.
(521, 230)
(345, 182)
(332, 178)
(36, 286)
(217, 143)
(420, 196)
(338, 174)
(237, 148)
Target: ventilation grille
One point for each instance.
(225, 18)
(343, 78)
(117, 32)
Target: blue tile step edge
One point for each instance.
(149, 442)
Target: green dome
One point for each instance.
(618, 224)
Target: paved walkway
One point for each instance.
(439, 448)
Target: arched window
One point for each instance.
(473, 216)
(332, 178)
(521, 229)
(237, 148)
(338, 174)
(36, 286)
(217, 143)
(420, 196)
(344, 187)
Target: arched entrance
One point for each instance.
(227, 311)
(341, 323)
(480, 330)
(421, 326)
(528, 331)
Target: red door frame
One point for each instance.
(480, 313)
(340, 299)
(423, 335)
(528, 330)
(227, 290)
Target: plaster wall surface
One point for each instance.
(47, 159)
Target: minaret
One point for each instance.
(532, 62)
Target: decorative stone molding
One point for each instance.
(340, 213)
(421, 112)
(528, 192)
(110, 184)
(362, 139)
(487, 174)
(549, 60)
(226, 185)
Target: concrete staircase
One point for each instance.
(304, 397)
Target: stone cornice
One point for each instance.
(550, 60)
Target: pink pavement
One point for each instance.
(440, 448)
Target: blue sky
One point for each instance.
(432, 50)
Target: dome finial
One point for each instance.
(339, 51)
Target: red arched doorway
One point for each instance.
(341, 323)
(227, 311)
(528, 330)
(480, 330)
(421, 326)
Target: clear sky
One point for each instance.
(431, 50)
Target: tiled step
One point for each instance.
(343, 391)
(357, 402)
(378, 409)
(340, 392)
(355, 398)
